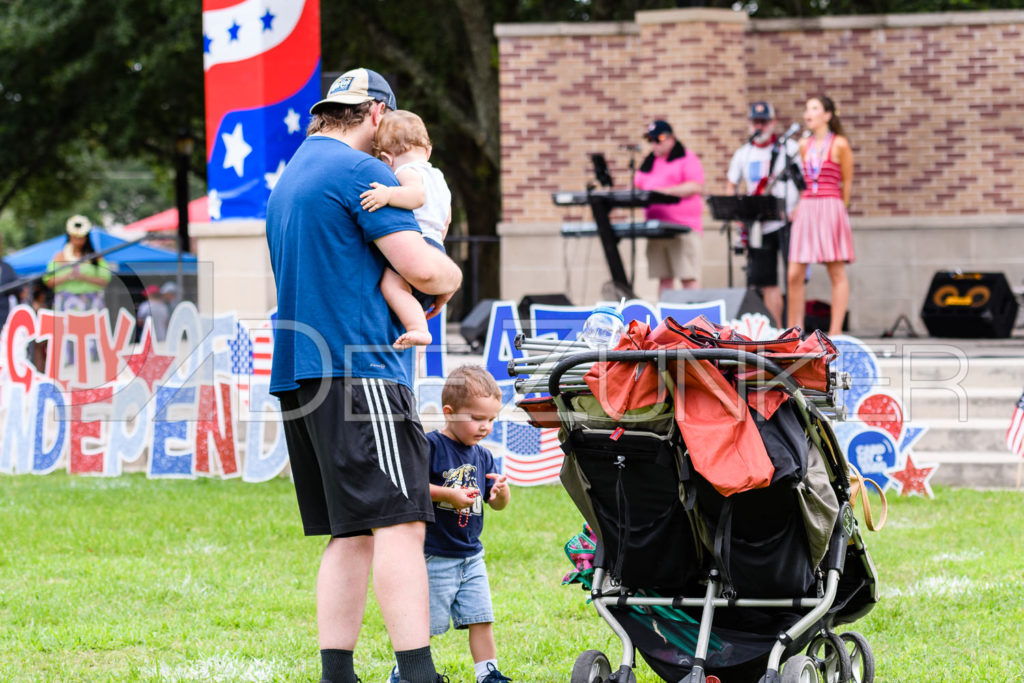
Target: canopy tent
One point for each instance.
(135, 259)
(198, 212)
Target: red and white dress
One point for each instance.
(821, 227)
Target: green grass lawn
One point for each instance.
(133, 580)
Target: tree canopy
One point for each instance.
(94, 92)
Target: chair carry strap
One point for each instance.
(858, 485)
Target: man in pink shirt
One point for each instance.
(672, 169)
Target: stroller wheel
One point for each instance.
(828, 650)
(591, 667)
(800, 669)
(862, 661)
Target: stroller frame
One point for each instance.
(559, 369)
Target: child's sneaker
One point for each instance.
(494, 676)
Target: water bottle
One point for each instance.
(604, 328)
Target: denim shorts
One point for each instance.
(459, 592)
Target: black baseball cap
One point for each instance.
(657, 129)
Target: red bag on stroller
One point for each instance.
(724, 443)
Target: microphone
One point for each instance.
(790, 132)
(630, 148)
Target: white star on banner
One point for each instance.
(214, 204)
(292, 121)
(272, 177)
(236, 150)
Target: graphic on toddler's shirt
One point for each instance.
(462, 477)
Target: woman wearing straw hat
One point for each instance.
(76, 275)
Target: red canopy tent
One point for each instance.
(166, 221)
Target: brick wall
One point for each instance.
(929, 102)
(936, 124)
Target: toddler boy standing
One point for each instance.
(463, 475)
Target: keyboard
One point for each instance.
(614, 197)
(650, 229)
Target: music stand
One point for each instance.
(746, 209)
(601, 171)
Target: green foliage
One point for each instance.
(140, 581)
(85, 82)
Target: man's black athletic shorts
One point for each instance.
(359, 457)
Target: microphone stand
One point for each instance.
(727, 226)
(632, 216)
(791, 183)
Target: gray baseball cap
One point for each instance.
(358, 86)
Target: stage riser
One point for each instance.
(977, 475)
(919, 371)
(984, 435)
(979, 403)
(970, 448)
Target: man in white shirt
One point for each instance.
(760, 165)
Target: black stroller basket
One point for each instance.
(702, 583)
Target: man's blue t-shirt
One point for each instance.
(456, 533)
(332, 320)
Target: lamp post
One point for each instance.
(183, 146)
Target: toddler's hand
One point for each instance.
(377, 197)
(500, 484)
(464, 497)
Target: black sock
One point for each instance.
(416, 666)
(338, 666)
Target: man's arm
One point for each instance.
(683, 190)
(422, 266)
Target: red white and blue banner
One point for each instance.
(261, 60)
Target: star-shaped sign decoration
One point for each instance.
(913, 479)
(147, 365)
(236, 149)
(292, 121)
(233, 31)
(207, 41)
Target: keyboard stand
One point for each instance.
(601, 207)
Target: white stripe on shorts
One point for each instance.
(384, 432)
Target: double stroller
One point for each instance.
(706, 466)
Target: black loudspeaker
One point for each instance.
(548, 299)
(738, 300)
(474, 326)
(969, 305)
(818, 316)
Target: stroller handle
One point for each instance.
(662, 356)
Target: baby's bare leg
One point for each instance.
(398, 294)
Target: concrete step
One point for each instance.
(972, 468)
(960, 406)
(977, 435)
(917, 372)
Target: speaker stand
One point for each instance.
(891, 332)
